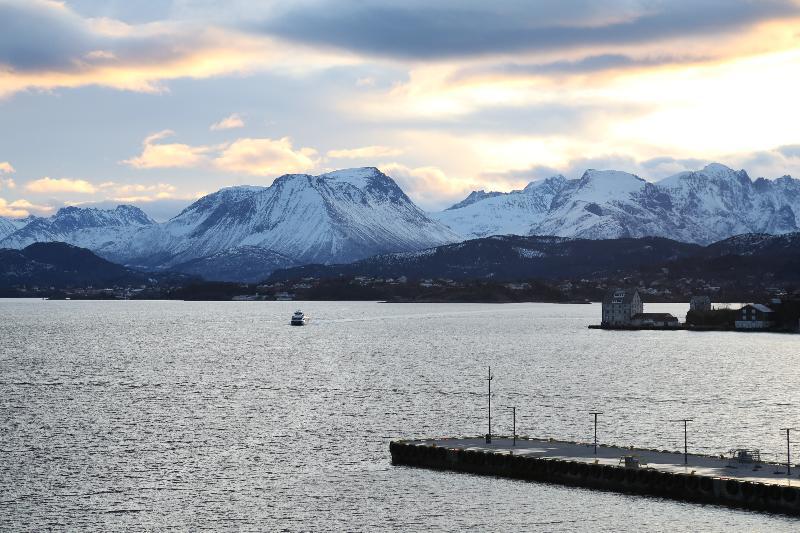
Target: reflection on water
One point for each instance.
(221, 416)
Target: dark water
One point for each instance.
(173, 415)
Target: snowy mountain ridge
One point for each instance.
(702, 206)
(89, 228)
(339, 217)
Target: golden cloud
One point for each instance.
(366, 152)
(264, 157)
(167, 155)
(6, 168)
(49, 185)
(428, 185)
(228, 123)
(21, 208)
(254, 156)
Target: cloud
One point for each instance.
(138, 192)
(49, 185)
(228, 123)
(167, 155)
(417, 29)
(263, 157)
(366, 152)
(584, 65)
(44, 44)
(254, 156)
(6, 182)
(21, 208)
(428, 186)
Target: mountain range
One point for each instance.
(700, 207)
(244, 233)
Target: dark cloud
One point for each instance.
(35, 36)
(427, 30)
(42, 36)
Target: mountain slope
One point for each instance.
(61, 265)
(336, 217)
(510, 257)
(246, 263)
(702, 207)
(10, 225)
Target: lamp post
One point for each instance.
(788, 452)
(685, 438)
(489, 380)
(595, 413)
(514, 426)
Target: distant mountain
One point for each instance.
(244, 233)
(10, 225)
(62, 265)
(700, 207)
(509, 258)
(336, 217)
(84, 227)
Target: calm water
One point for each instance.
(159, 415)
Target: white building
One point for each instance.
(620, 305)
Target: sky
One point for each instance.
(156, 103)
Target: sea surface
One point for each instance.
(220, 416)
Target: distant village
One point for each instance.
(624, 309)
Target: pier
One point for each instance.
(735, 482)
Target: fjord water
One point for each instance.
(158, 415)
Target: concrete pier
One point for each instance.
(706, 479)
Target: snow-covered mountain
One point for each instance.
(84, 227)
(10, 225)
(246, 232)
(336, 217)
(700, 207)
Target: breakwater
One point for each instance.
(706, 479)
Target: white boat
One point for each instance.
(299, 318)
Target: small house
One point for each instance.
(755, 316)
(620, 305)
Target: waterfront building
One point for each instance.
(700, 303)
(755, 316)
(620, 306)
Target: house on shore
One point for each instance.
(755, 316)
(620, 306)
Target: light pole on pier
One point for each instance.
(514, 426)
(788, 452)
(489, 380)
(685, 438)
(595, 413)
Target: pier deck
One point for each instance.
(706, 479)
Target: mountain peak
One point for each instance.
(474, 196)
(121, 215)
